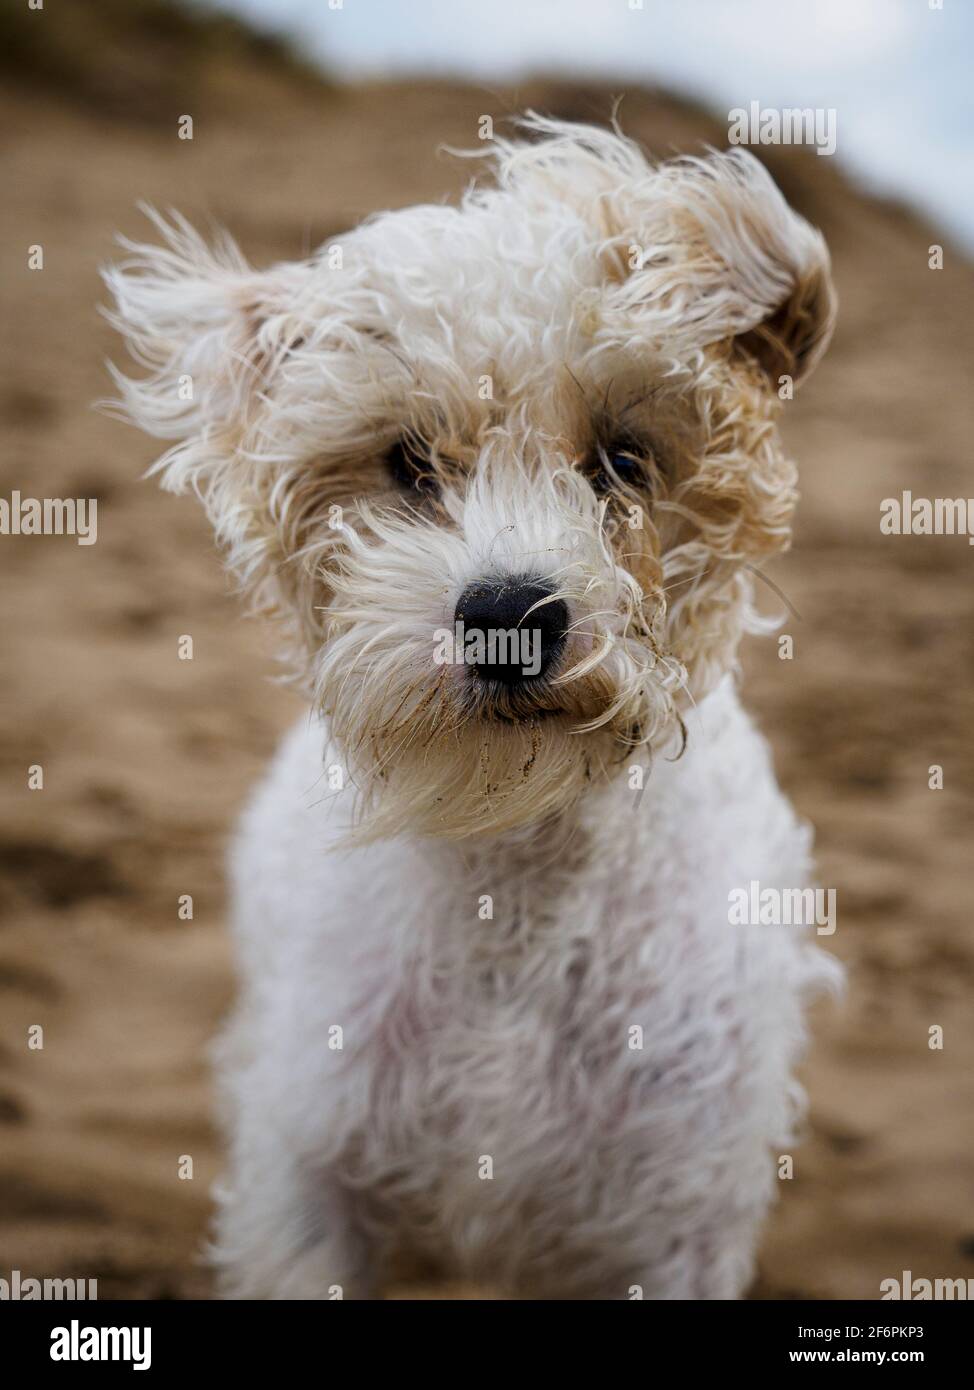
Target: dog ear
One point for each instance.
(208, 328)
(723, 256)
(696, 250)
(220, 342)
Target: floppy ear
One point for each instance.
(697, 250)
(724, 257)
(221, 343)
(208, 328)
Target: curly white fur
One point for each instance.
(585, 307)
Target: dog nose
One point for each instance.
(497, 608)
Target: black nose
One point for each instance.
(519, 645)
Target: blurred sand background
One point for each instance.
(147, 759)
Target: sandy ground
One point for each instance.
(147, 758)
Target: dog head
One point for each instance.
(544, 418)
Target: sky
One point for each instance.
(899, 74)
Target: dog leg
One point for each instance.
(281, 1234)
(285, 1227)
(716, 1265)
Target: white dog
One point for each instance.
(493, 1008)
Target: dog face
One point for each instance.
(547, 413)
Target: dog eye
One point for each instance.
(616, 467)
(409, 470)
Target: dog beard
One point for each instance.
(426, 760)
(481, 777)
